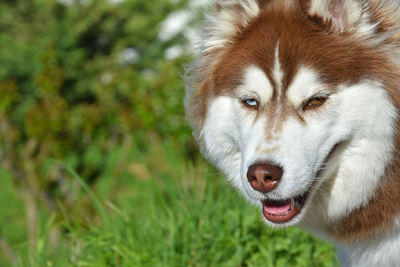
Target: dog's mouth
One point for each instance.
(282, 211)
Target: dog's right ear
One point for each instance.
(229, 17)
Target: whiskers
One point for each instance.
(320, 188)
(318, 183)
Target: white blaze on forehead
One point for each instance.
(305, 84)
(256, 82)
(278, 77)
(277, 72)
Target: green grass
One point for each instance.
(163, 210)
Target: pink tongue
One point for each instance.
(276, 208)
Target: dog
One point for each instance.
(297, 103)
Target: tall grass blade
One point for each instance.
(96, 201)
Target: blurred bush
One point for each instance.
(77, 79)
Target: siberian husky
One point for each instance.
(297, 102)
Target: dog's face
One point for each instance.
(296, 116)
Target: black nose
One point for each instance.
(264, 176)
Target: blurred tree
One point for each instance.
(77, 79)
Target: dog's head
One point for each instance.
(290, 100)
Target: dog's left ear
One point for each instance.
(342, 15)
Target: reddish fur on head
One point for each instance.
(330, 43)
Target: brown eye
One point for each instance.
(314, 102)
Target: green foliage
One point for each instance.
(68, 93)
(177, 214)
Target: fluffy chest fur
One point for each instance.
(297, 102)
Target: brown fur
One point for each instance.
(303, 41)
(338, 57)
(379, 214)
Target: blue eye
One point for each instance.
(251, 102)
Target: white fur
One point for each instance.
(277, 71)
(305, 85)
(378, 251)
(361, 115)
(363, 163)
(221, 139)
(278, 74)
(366, 111)
(256, 84)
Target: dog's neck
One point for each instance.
(379, 250)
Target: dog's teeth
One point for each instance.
(292, 203)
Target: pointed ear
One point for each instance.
(343, 15)
(339, 17)
(229, 17)
(241, 10)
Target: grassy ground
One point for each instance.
(164, 211)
